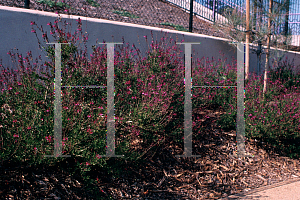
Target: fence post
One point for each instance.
(286, 24)
(214, 10)
(27, 4)
(191, 16)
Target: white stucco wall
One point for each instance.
(15, 32)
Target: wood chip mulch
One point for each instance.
(216, 174)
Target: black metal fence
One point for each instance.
(214, 10)
(156, 13)
(290, 15)
(211, 10)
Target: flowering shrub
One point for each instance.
(144, 86)
(149, 101)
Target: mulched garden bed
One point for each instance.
(163, 176)
(214, 175)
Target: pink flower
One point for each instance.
(87, 163)
(35, 148)
(49, 24)
(31, 23)
(29, 127)
(15, 120)
(15, 135)
(48, 138)
(89, 131)
(32, 31)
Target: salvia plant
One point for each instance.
(149, 100)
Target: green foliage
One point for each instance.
(51, 3)
(228, 121)
(175, 127)
(284, 73)
(28, 128)
(66, 52)
(177, 27)
(21, 140)
(125, 13)
(93, 3)
(277, 123)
